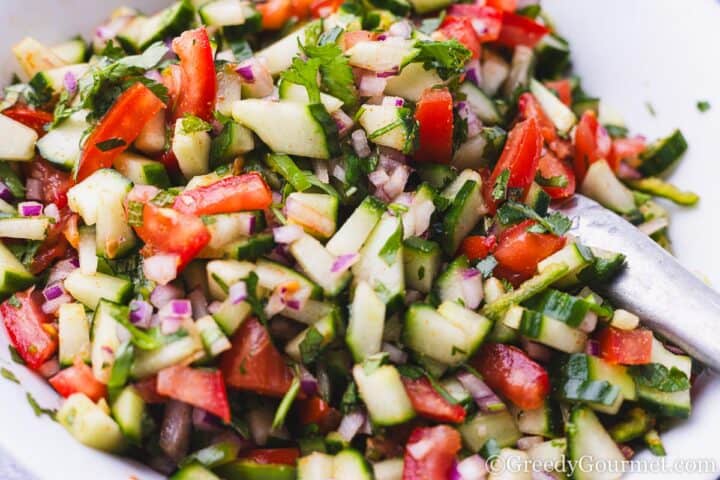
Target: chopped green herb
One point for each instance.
(110, 144)
(513, 212)
(311, 346)
(447, 57)
(388, 252)
(164, 198)
(703, 106)
(285, 404)
(192, 124)
(39, 411)
(559, 181)
(13, 300)
(7, 374)
(349, 399)
(385, 129)
(650, 108)
(500, 188)
(15, 356)
(135, 213)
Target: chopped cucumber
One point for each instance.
(480, 104)
(462, 216)
(13, 274)
(192, 150)
(89, 289)
(149, 362)
(141, 170)
(384, 395)
(562, 117)
(388, 125)
(603, 186)
(587, 438)
(272, 274)
(17, 142)
(249, 470)
(412, 81)
(28, 228)
(278, 56)
(297, 93)
(382, 56)
(105, 340)
(356, 229)
(194, 471)
(128, 410)
(422, 260)
(366, 323)
(315, 212)
(142, 31)
(662, 154)
(213, 338)
(318, 264)
(61, 145)
(83, 197)
(484, 426)
(545, 330)
(72, 51)
(73, 334)
(90, 424)
(222, 274)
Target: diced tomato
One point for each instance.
(27, 327)
(628, 149)
(430, 453)
(477, 247)
(172, 80)
(349, 39)
(165, 230)
(147, 389)
(55, 246)
(318, 411)
(78, 378)
(520, 30)
(529, 107)
(121, 125)
(231, 194)
(506, 5)
(301, 8)
(275, 13)
(550, 166)
(592, 143)
(434, 115)
(199, 83)
(520, 155)
(170, 161)
(254, 363)
(325, 8)
(428, 403)
(35, 119)
(198, 387)
(519, 251)
(509, 371)
(485, 21)
(55, 182)
(626, 347)
(272, 456)
(461, 29)
(562, 88)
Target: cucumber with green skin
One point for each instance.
(587, 438)
(249, 470)
(422, 260)
(142, 31)
(661, 155)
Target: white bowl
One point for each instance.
(662, 52)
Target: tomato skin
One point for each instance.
(55, 246)
(253, 363)
(324, 8)
(520, 155)
(529, 107)
(318, 411)
(510, 372)
(592, 143)
(626, 347)
(35, 119)
(125, 120)
(275, 13)
(505, 5)
(563, 90)
(434, 115)
(198, 387)
(520, 30)
(147, 389)
(490, 18)
(460, 28)
(273, 456)
(477, 247)
(24, 325)
(436, 463)
(199, 83)
(165, 230)
(55, 182)
(78, 378)
(626, 149)
(519, 251)
(550, 166)
(428, 403)
(231, 194)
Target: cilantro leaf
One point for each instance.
(7, 374)
(193, 124)
(447, 57)
(392, 245)
(500, 188)
(703, 106)
(336, 76)
(135, 213)
(311, 346)
(39, 411)
(304, 73)
(556, 181)
(513, 212)
(655, 375)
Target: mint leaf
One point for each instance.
(500, 188)
(311, 346)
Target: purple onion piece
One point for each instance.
(70, 82)
(204, 420)
(5, 193)
(198, 302)
(592, 347)
(308, 383)
(53, 291)
(140, 313)
(246, 72)
(397, 356)
(30, 209)
(163, 294)
(287, 233)
(350, 425)
(238, 293)
(344, 262)
(181, 308)
(485, 398)
(389, 73)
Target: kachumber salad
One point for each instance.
(311, 239)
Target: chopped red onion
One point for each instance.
(5, 193)
(381, 37)
(49, 368)
(52, 211)
(275, 304)
(474, 126)
(321, 168)
(53, 291)
(161, 268)
(308, 383)
(627, 451)
(237, 293)
(199, 303)
(287, 234)
(473, 72)
(260, 423)
(401, 29)
(472, 288)
(343, 121)
(389, 73)
(536, 351)
(181, 308)
(396, 184)
(378, 178)
(62, 269)
(526, 443)
(396, 355)
(371, 85)
(351, 424)
(391, 158)
(393, 101)
(33, 189)
(30, 209)
(360, 144)
(140, 313)
(485, 398)
(205, 421)
(52, 306)
(154, 75)
(162, 294)
(471, 468)
(592, 347)
(627, 172)
(344, 262)
(175, 429)
(245, 71)
(256, 78)
(70, 82)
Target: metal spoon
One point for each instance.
(653, 285)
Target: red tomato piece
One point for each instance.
(121, 124)
(316, 410)
(520, 155)
(461, 29)
(562, 88)
(477, 247)
(170, 161)
(147, 389)
(253, 363)
(520, 30)
(198, 80)
(529, 107)
(505, 5)
(428, 403)
(172, 80)
(510, 372)
(430, 453)
(78, 379)
(324, 8)
(592, 143)
(550, 166)
(165, 230)
(301, 8)
(35, 119)
(198, 387)
(434, 115)
(272, 456)
(627, 347)
(55, 182)
(26, 327)
(55, 246)
(519, 251)
(231, 194)
(627, 149)
(485, 21)
(275, 13)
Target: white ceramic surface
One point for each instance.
(628, 52)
